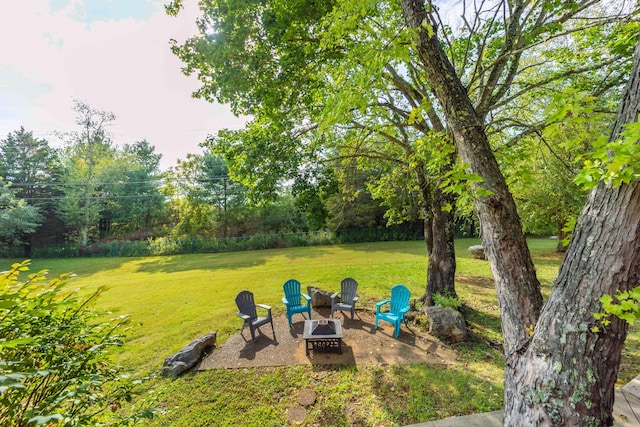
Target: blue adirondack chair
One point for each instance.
(399, 305)
(294, 300)
(348, 297)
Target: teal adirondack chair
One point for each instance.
(294, 300)
(399, 305)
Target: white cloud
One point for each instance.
(123, 66)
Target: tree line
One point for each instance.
(92, 190)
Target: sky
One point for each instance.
(113, 55)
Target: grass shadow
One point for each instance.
(418, 393)
(227, 260)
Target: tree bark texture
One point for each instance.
(567, 374)
(562, 235)
(504, 243)
(442, 259)
(439, 233)
(558, 372)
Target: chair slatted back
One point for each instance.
(292, 292)
(246, 304)
(399, 298)
(348, 289)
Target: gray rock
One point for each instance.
(477, 251)
(188, 356)
(319, 298)
(446, 323)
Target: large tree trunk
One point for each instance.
(562, 235)
(562, 374)
(439, 230)
(504, 243)
(424, 185)
(442, 259)
(567, 374)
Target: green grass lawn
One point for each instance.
(173, 300)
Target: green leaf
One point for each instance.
(46, 419)
(625, 306)
(16, 342)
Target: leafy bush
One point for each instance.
(447, 301)
(54, 362)
(176, 246)
(164, 246)
(625, 305)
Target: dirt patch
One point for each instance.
(362, 345)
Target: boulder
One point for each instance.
(188, 356)
(477, 251)
(446, 323)
(319, 298)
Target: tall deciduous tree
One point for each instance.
(139, 204)
(206, 196)
(353, 206)
(272, 62)
(87, 162)
(315, 184)
(339, 80)
(557, 371)
(541, 168)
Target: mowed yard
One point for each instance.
(175, 299)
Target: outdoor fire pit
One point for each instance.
(323, 335)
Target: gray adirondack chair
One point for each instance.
(248, 313)
(348, 297)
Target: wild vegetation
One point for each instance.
(55, 366)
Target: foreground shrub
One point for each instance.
(54, 356)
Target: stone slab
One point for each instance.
(633, 387)
(488, 419)
(626, 410)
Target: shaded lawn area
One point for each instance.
(173, 300)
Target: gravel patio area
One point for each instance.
(362, 345)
